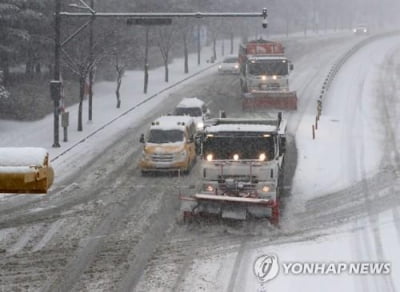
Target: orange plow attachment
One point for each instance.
(270, 100)
(25, 170)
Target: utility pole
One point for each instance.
(91, 60)
(55, 84)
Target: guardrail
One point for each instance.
(335, 69)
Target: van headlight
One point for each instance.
(145, 155)
(181, 155)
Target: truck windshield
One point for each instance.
(269, 67)
(247, 147)
(165, 136)
(190, 111)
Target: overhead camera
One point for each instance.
(264, 23)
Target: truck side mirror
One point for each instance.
(141, 138)
(291, 67)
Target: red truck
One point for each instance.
(264, 76)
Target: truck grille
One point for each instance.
(162, 157)
(270, 86)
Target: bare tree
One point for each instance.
(185, 29)
(120, 70)
(165, 40)
(79, 60)
(146, 61)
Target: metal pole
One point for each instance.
(55, 86)
(91, 63)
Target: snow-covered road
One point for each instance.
(103, 227)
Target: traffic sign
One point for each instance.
(149, 21)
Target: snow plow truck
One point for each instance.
(264, 76)
(242, 170)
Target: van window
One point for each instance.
(190, 111)
(165, 136)
(231, 60)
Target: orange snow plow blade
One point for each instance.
(228, 207)
(270, 100)
(25, 170)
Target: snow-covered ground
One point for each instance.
(350, 145)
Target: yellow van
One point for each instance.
(169, 145)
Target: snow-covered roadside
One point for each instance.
(350, 132)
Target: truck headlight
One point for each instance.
(200, 125)
(263, 77)
(236, 66)
(209, 188)
(209, 157)
(265, 189)
(274, 77)
(262, 157)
